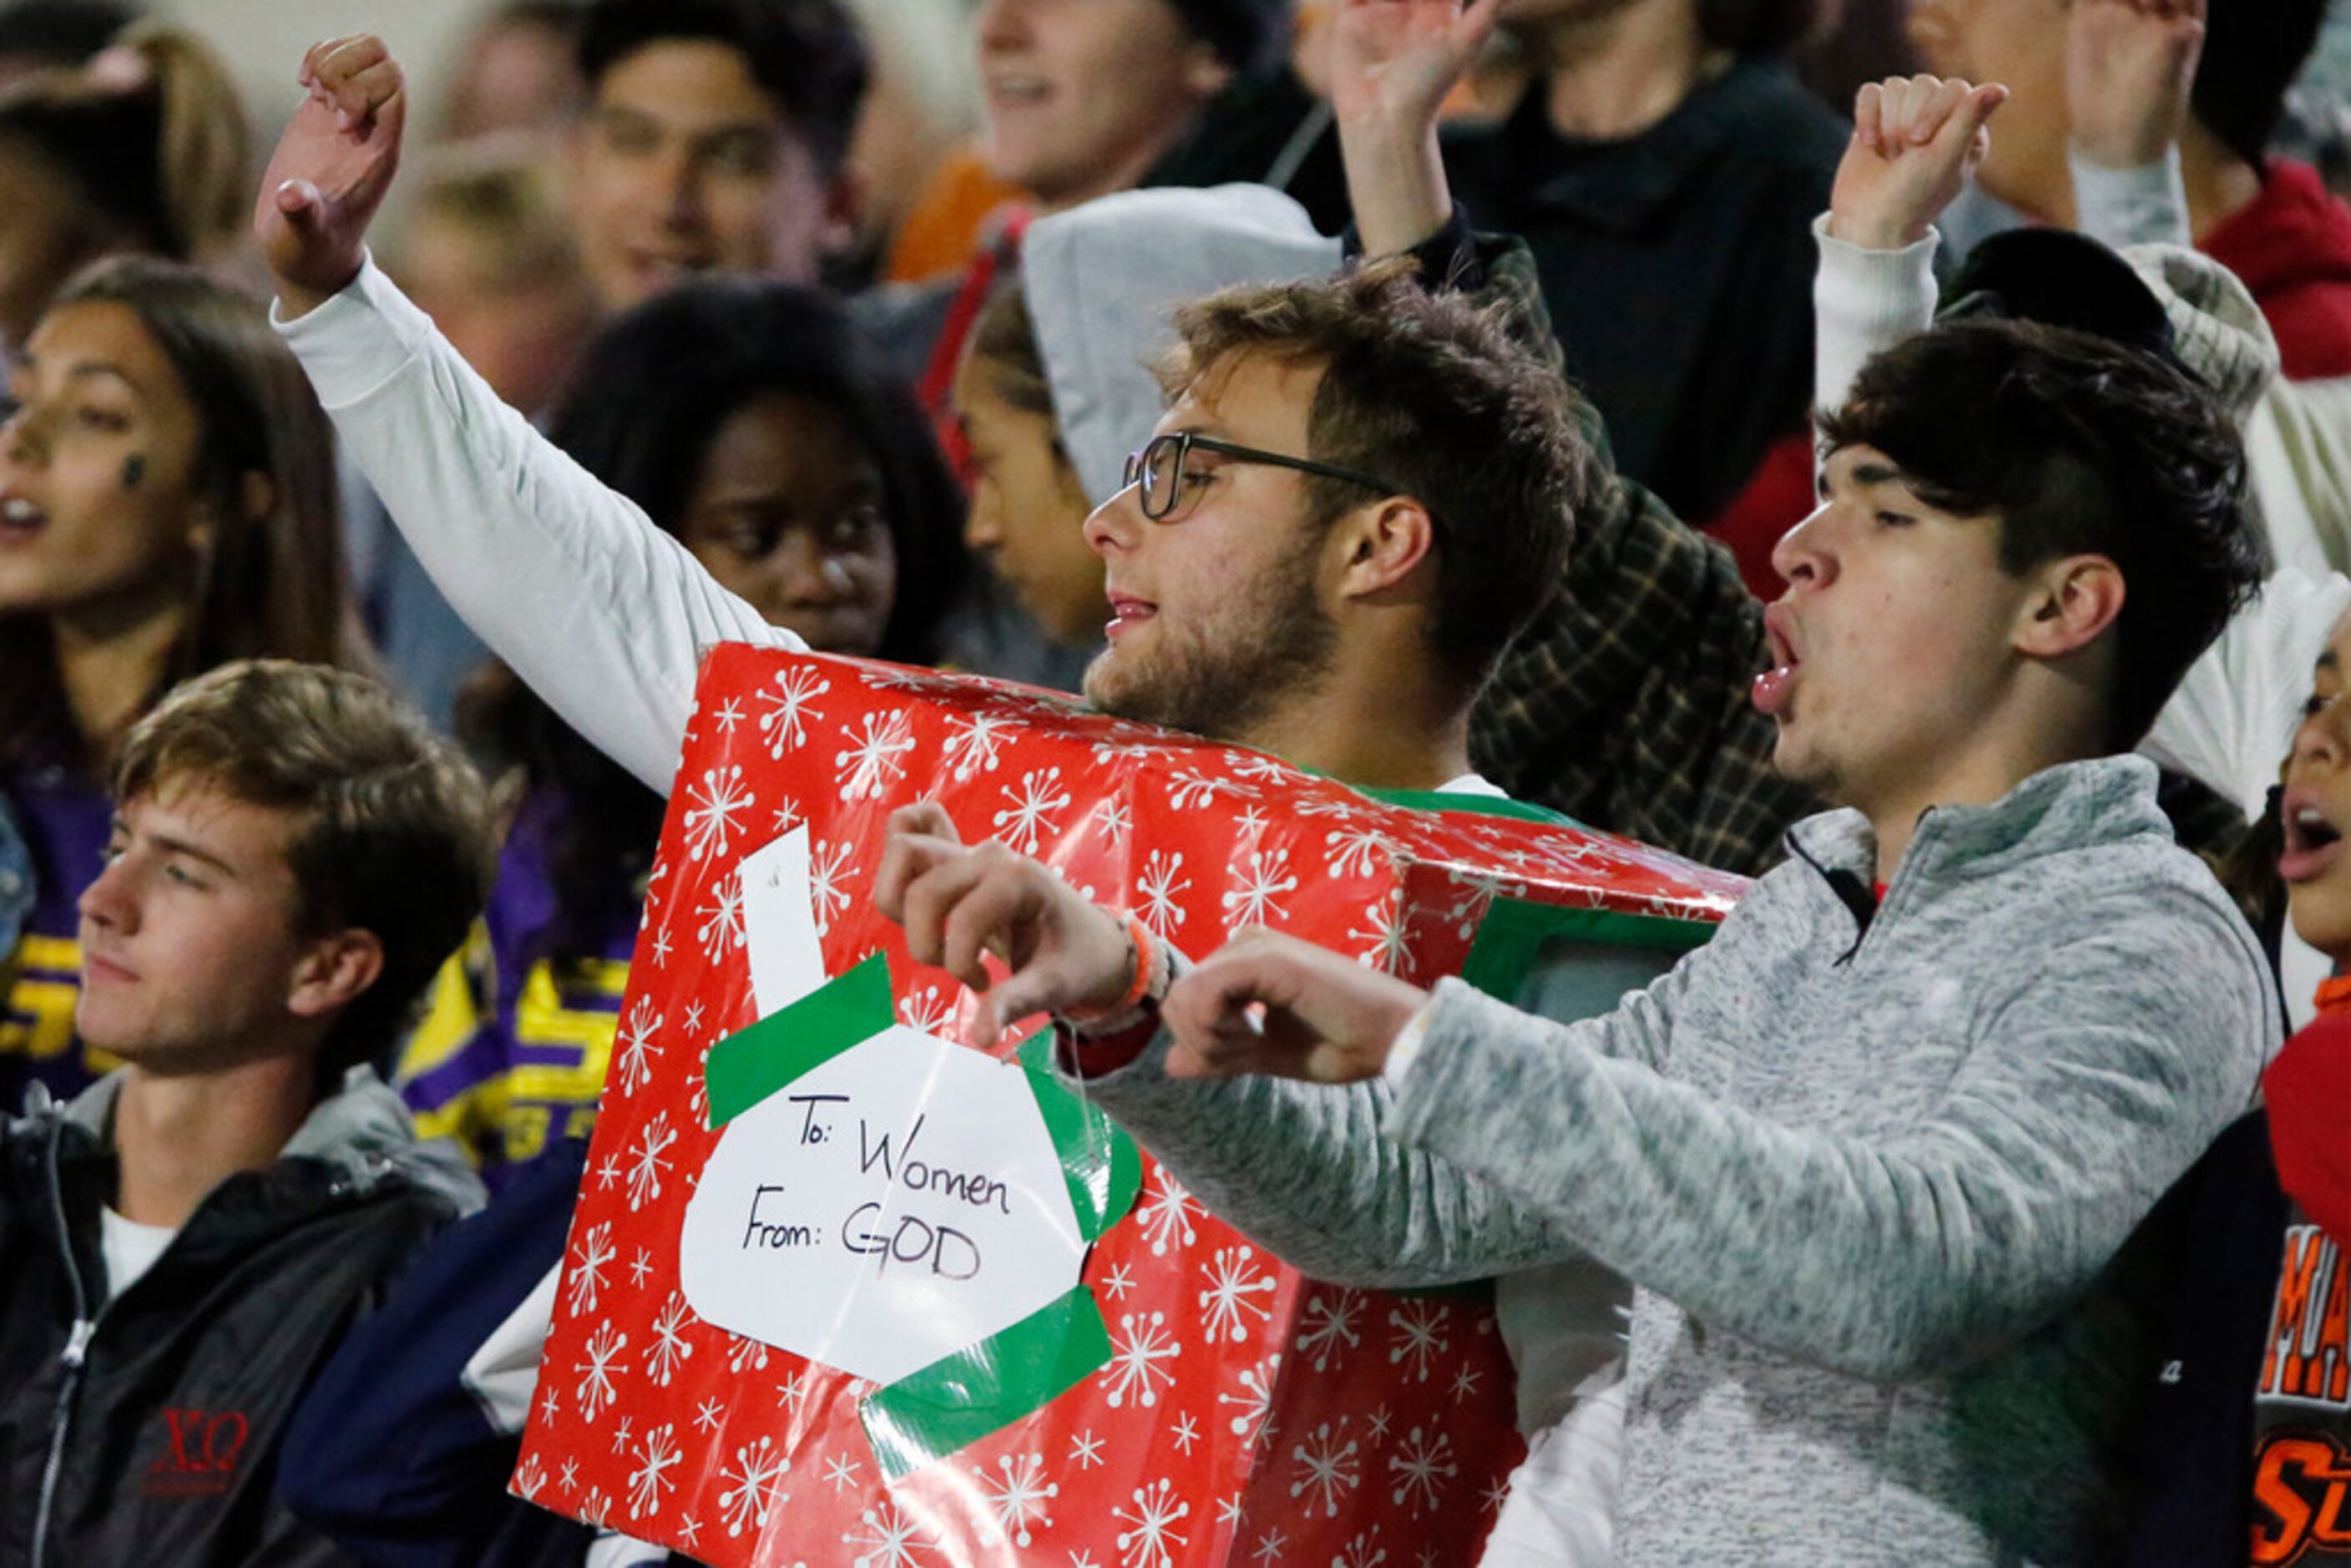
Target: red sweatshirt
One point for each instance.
(2291, 245)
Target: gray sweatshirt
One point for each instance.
(1874, 1179)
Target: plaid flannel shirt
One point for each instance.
(1624, 703)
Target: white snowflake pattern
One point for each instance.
(1118, 1282)
(972, 744)
(1086, 1449)
(688, 1528)
(1356, 852)
(745, 1354)
(552, 1406)
(621, 1432)
(729, 714)
(754, 1477)
(1255, 1401)
(662, 945)
(926, 1011)
(645, 1162)
(530, 1479)
(829, 872)
(1228, 1511)
(1167, 1215)
(634, 1068)
(793, 1392)
(587, 1277)
(1422, 1465)
(1382, 933)
(1329, 1330)
(1161, 885)
(1250, 823)
(1150, 1539)
(892, 1538)
(1420, 1338)
(870, 764)
(721, 926)
(1017, 1499)
(670, 1347)
(1134, 1361)
(1478, 890)
(1254, 897)
(1116, 820)
(789, 707)
(787, 815)
(1491, 1499)
(1270, 1546)
(842, 1471)
(1465, 1383)
(1031, 810)
(1329, 1467)
(709, 1415)
(657, 1455)
(595, 1391)
(595, 1508)
(1380, 1419)
(1262, 769)
(1229, 1299)
(1185, 1433)
(1190, 789)
(710, 823)
(1364, 1552)
(638, 1267)
(569, 1476)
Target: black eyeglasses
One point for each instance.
(1157, 473)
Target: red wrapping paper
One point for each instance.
(1244, 1414)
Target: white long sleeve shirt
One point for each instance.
(601, 613)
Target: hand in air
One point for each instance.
(2129, 65)
(1274, 1005)
(959, 902)
(332, 167)
(1395, 61)
(1916, 140)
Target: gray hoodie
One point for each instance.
(1874, 1176)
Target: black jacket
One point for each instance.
(145, 1430)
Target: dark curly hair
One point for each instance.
(2077, 446)
(652, 394)
(806, 55)
(1434, 395)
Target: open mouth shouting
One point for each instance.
(2312, 839)
(1775, 688)
(19, 518)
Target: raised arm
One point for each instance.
(601, 613)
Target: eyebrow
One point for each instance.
(2329, 662)
(173, 846)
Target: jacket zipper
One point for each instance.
(75, 1357)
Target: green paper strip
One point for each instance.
(1464, 804)
(959, 1399)
(751, 1064)
(1099, 1161)
(1511, 936)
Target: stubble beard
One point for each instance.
(1224, 678)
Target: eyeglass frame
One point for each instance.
(1186, 440)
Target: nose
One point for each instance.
(1002, 23)
(806, 572)
(681, 179)
(1115, 524)
(108, 901)
(20, 437)
(2323, 739)
(983, 525)
(1805, 555)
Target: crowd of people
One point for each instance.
(1898, 451)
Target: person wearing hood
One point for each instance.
(2139, 122)
(183, 1244)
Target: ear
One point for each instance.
(2073, 602)
(1383, 544)
(844, 210)
(257, 495)
(332, 974)
(1206, 72)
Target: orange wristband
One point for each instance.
(1146, 963)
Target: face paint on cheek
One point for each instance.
(135, 472)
